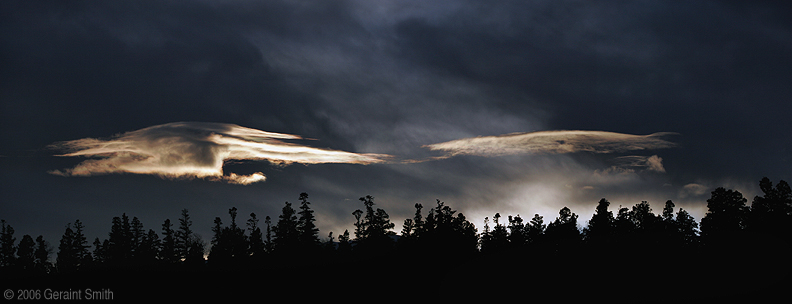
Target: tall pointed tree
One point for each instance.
(286, 233)
(67, 259)
(308, 233)
(168, 251)
(7, 248)
(42, 254)
(80, 244)
(687, 228)
(536, 229)
(26, 253)
(256, 246)
(269, 245)
(184, 235)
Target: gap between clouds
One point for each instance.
(186, 150)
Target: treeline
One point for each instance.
(294, 238)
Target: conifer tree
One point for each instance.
(42, 254)
(375, 227)
(499, 238)
(168, 252)
(687, 228)
(80, 244)
(485, 240)
(119, 248)
(268, 244)
(308, 233)
(536, 229)
(99, 252)
(418, 223)
(256, 246)
(148, 251)
(184, 235)
(286, 233)
(7, 248)
(136, 235)
(26, 253)
(517, 237)
(67, 260)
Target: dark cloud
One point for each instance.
(389, 77)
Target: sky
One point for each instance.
(510, 107)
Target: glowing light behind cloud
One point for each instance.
(196, 150)
(552, 142)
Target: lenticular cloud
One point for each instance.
(186, 150)
(552, 142)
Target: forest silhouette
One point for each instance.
(630, 254)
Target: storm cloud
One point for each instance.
(464, 101)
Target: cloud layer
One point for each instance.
(196, 150)
(555, 142)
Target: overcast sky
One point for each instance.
(517, 107)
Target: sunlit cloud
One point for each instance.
(186, 150)
(555, 142)
(693, 189)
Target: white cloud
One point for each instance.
(196, 150)
(655, 163)
(693, 189)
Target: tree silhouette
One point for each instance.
(375, 228)
(417, 222)
(42, 255)
(601, 226)
(80, 244)
(358, 224)
(268, 243)
(623, 226)
(563, 232)
(136, 235)
(67, 260)
(443, 233)
(148, 251)
(184, 235)
(771, 212)
(26, 252)
(536, 229)
(441, 245)
(229, 244)
(256, 246)
(500, 237)
(687, 228)
(308, 234)
(485, 239)
(119, 246)
(7, 248)
(518, 237)
(286, 233)
(726, 215)
(168, 251)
